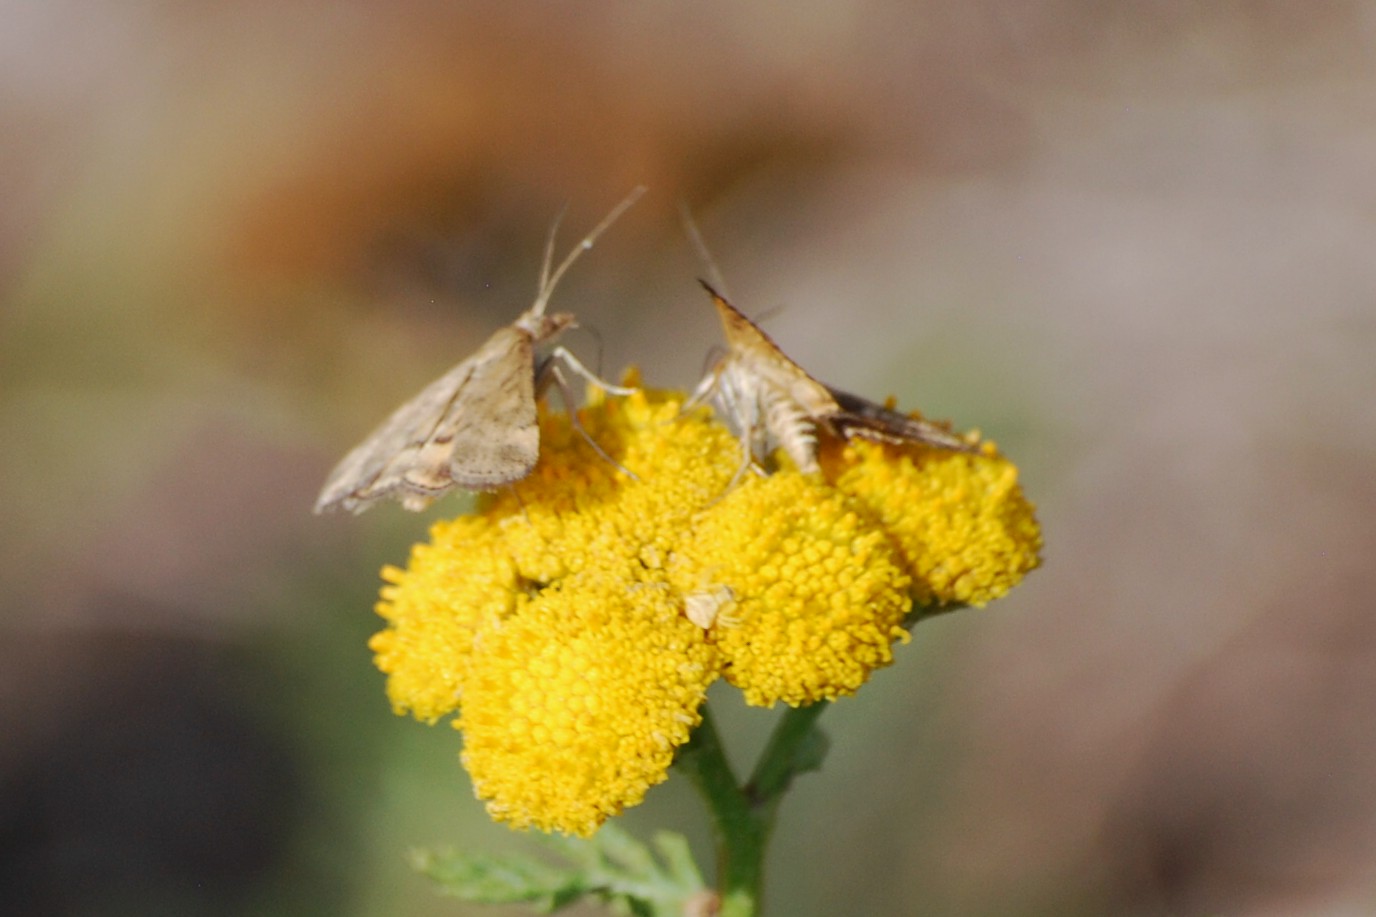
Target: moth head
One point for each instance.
(542, 327)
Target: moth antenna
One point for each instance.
(549, 281)
(690, 228)
(761, 318)
(541, 294)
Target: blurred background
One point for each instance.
(1135, 244)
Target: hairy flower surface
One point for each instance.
(814, 592)
(966, 532)
(575, 622)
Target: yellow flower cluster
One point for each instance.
(575, 622)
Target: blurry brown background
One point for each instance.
(1133, 243)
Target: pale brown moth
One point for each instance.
(476, 426)
(768, 396)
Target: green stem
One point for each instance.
(795, 747)
(743, 816)
(739, 831)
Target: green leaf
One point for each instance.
(515, 879)
(611, 867)
(678, 860)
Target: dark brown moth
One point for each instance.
(476, 426)
(768, 396)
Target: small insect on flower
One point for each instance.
(476, 426)
(704, 608)
(766, 395)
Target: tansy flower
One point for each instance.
(575, 622)
(964, 529)
(812, 590)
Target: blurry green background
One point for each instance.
(1133, 243)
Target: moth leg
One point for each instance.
(577, 366)
(516, 492)
(549, 372)
(701, 395)
(746, 415)
(747, 464)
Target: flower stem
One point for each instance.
(795, 747)
(743, 815)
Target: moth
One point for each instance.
(768, 396)
(476, 426)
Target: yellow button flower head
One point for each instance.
(965, 531)
(814, 595)
(575, 622)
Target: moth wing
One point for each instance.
(495, 434)
(860, 417)
(758, 354)
(408, 456)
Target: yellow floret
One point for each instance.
(819, 596)
(576, 705)
(455, 586)
(966, 532)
